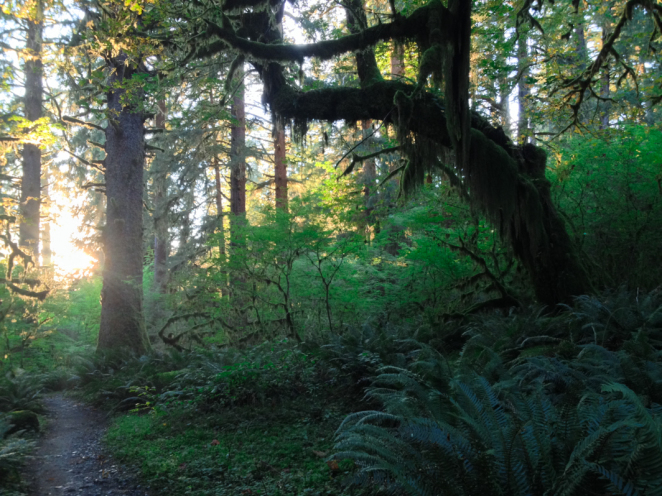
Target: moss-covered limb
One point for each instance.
(505, 182)
(356, 104)
(401, 28)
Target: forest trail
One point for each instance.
(69, 458)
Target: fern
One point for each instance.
(468, 435)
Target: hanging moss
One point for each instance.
(430, 64)
(513, 193)
(492, 178)
(504, 182)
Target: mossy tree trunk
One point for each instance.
(122, 321)
(31, 181)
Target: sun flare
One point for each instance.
(68, 259)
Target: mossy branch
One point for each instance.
(401, 28)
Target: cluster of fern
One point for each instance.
(557, 405)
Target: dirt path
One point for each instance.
(69, 458)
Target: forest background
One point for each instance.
(452, 208)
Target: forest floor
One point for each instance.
(70, 459)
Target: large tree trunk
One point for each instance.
(122, 321)
(280, 165)
(31, 182)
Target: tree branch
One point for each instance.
(89, 125)
(402, 27)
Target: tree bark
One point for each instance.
(31, 182)
(122, 321)
(398, 59)
(237, 151)
(523, 89)
(160, 214)
(280, 165)
(237, 186)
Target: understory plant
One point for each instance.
(569, 417)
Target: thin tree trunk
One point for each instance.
(185, 230)
(218, 198)
(46, 252)
(605, 90)
(582, 51)
(31, 182)
(237, 151)
(219, 206)
(398, 59)
(237, 187)
(366, 64)
(122, 321)
(523, 89)
(369, 177)
(280, 168)
(504, 102)
(160, 214)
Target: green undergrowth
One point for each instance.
(532, 402)
(529, 403)
(244, 450)
(258, 421)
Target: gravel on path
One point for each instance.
(70, 459)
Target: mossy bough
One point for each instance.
(503, 181)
